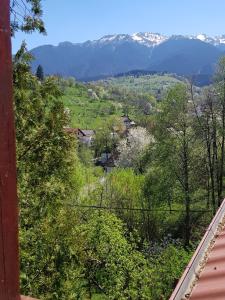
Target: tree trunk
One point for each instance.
(186, 191)
(222, 148)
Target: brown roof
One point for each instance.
(211, 283)
(71, 130)
(204, 277)
(84, 132)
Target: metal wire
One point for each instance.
(19, 12)
(136, 209)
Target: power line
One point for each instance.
(23, 7)
(20, 11)
(135, 209)
(16, 13)
(16, 17)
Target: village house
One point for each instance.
(85, 136)
(127, 122)
(107, 161)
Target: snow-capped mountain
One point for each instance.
(216, 40)
(121, 53)
(149, 39)
(154, 39)
(145, 38)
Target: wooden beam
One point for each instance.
(9, 258)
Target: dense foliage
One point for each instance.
(127, 234)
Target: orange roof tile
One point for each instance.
(204, 277)
(211, 283)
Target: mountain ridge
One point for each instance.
(151, 39)
(120, 53)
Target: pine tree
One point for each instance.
(40, 73)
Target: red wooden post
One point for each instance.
(9, 258)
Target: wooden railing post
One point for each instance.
(9, 258)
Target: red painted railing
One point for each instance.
(9, 259)
(27, 298)
(9, 256)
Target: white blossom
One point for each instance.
(132, 147)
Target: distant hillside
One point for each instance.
(122, 53)
(184, 57)
(199, 80)
(150, 84)
(88, 60)
(87, 110)
(136, 73)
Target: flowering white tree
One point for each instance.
(132, 147)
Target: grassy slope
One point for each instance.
(87, 113)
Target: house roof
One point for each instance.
(126, 118)
(87, 132)
(71, 130)
(204, 277)
(84, 132)
(211, 282)
(108, 159)
(110, 162)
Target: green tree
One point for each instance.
(26, 16)
(40, 73)
(107, 136)
(210, 115)
(112, 265)
(123, 189)
(47, 166)
(167, 267)
(220, 93)
(132, 148)
(175, 144)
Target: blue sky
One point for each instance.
(81, 20)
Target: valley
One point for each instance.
(119, 165)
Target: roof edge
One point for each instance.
(191, 273)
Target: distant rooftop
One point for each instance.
(87, 132)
